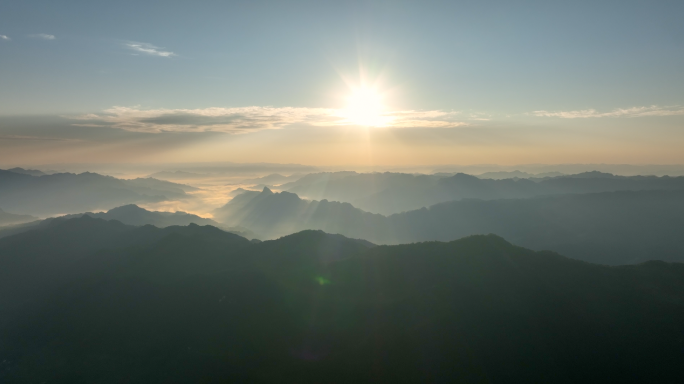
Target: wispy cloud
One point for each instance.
(148, 49)
(250, 119)
(652, 110)
(4, 37)
(35, 138)
(43, 36)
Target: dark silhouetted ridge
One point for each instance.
(197, 304)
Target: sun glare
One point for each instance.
(365, 107)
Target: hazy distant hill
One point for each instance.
(238, 191)
(318, 180)
(272, 215)
(374, 192)
(70, 193)
(32, 172)
(274, 179)
(241, 197)
(610, 227)
(224, 169)
(140, 184)
(517, 174)
(88, 300)
(133, 215)
(389, 193)
(247, 169)
(178, 175)
(130, 215)
(11, 219)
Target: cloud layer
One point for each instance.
(148, 49)
(43, 36)
(4, 37)
(249, 119)
(652, 110)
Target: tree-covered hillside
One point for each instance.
(195, 304)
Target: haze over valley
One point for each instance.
(366, 191)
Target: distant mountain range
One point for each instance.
(133, 215)
(238, 191)
(89, 300)
(274, 179)
(178, 175)
(63, 193)
(12, 219)
(223, 169)
(517, 174)
(610, 227)
(388, 193)
(273, 215)
(130, 215)
(32, 172)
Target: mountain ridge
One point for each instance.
(215, 307)
(388, 193)
(62, 193)
(609, 227)
(7, 218)
(133, 215)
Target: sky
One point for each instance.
(336, 83)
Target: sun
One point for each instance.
(365, 107)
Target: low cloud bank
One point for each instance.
(652, 110)
(250, 119)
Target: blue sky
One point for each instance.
(577, 66)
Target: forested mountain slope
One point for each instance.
(195, 304)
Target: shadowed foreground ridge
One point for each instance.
(100, 301)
